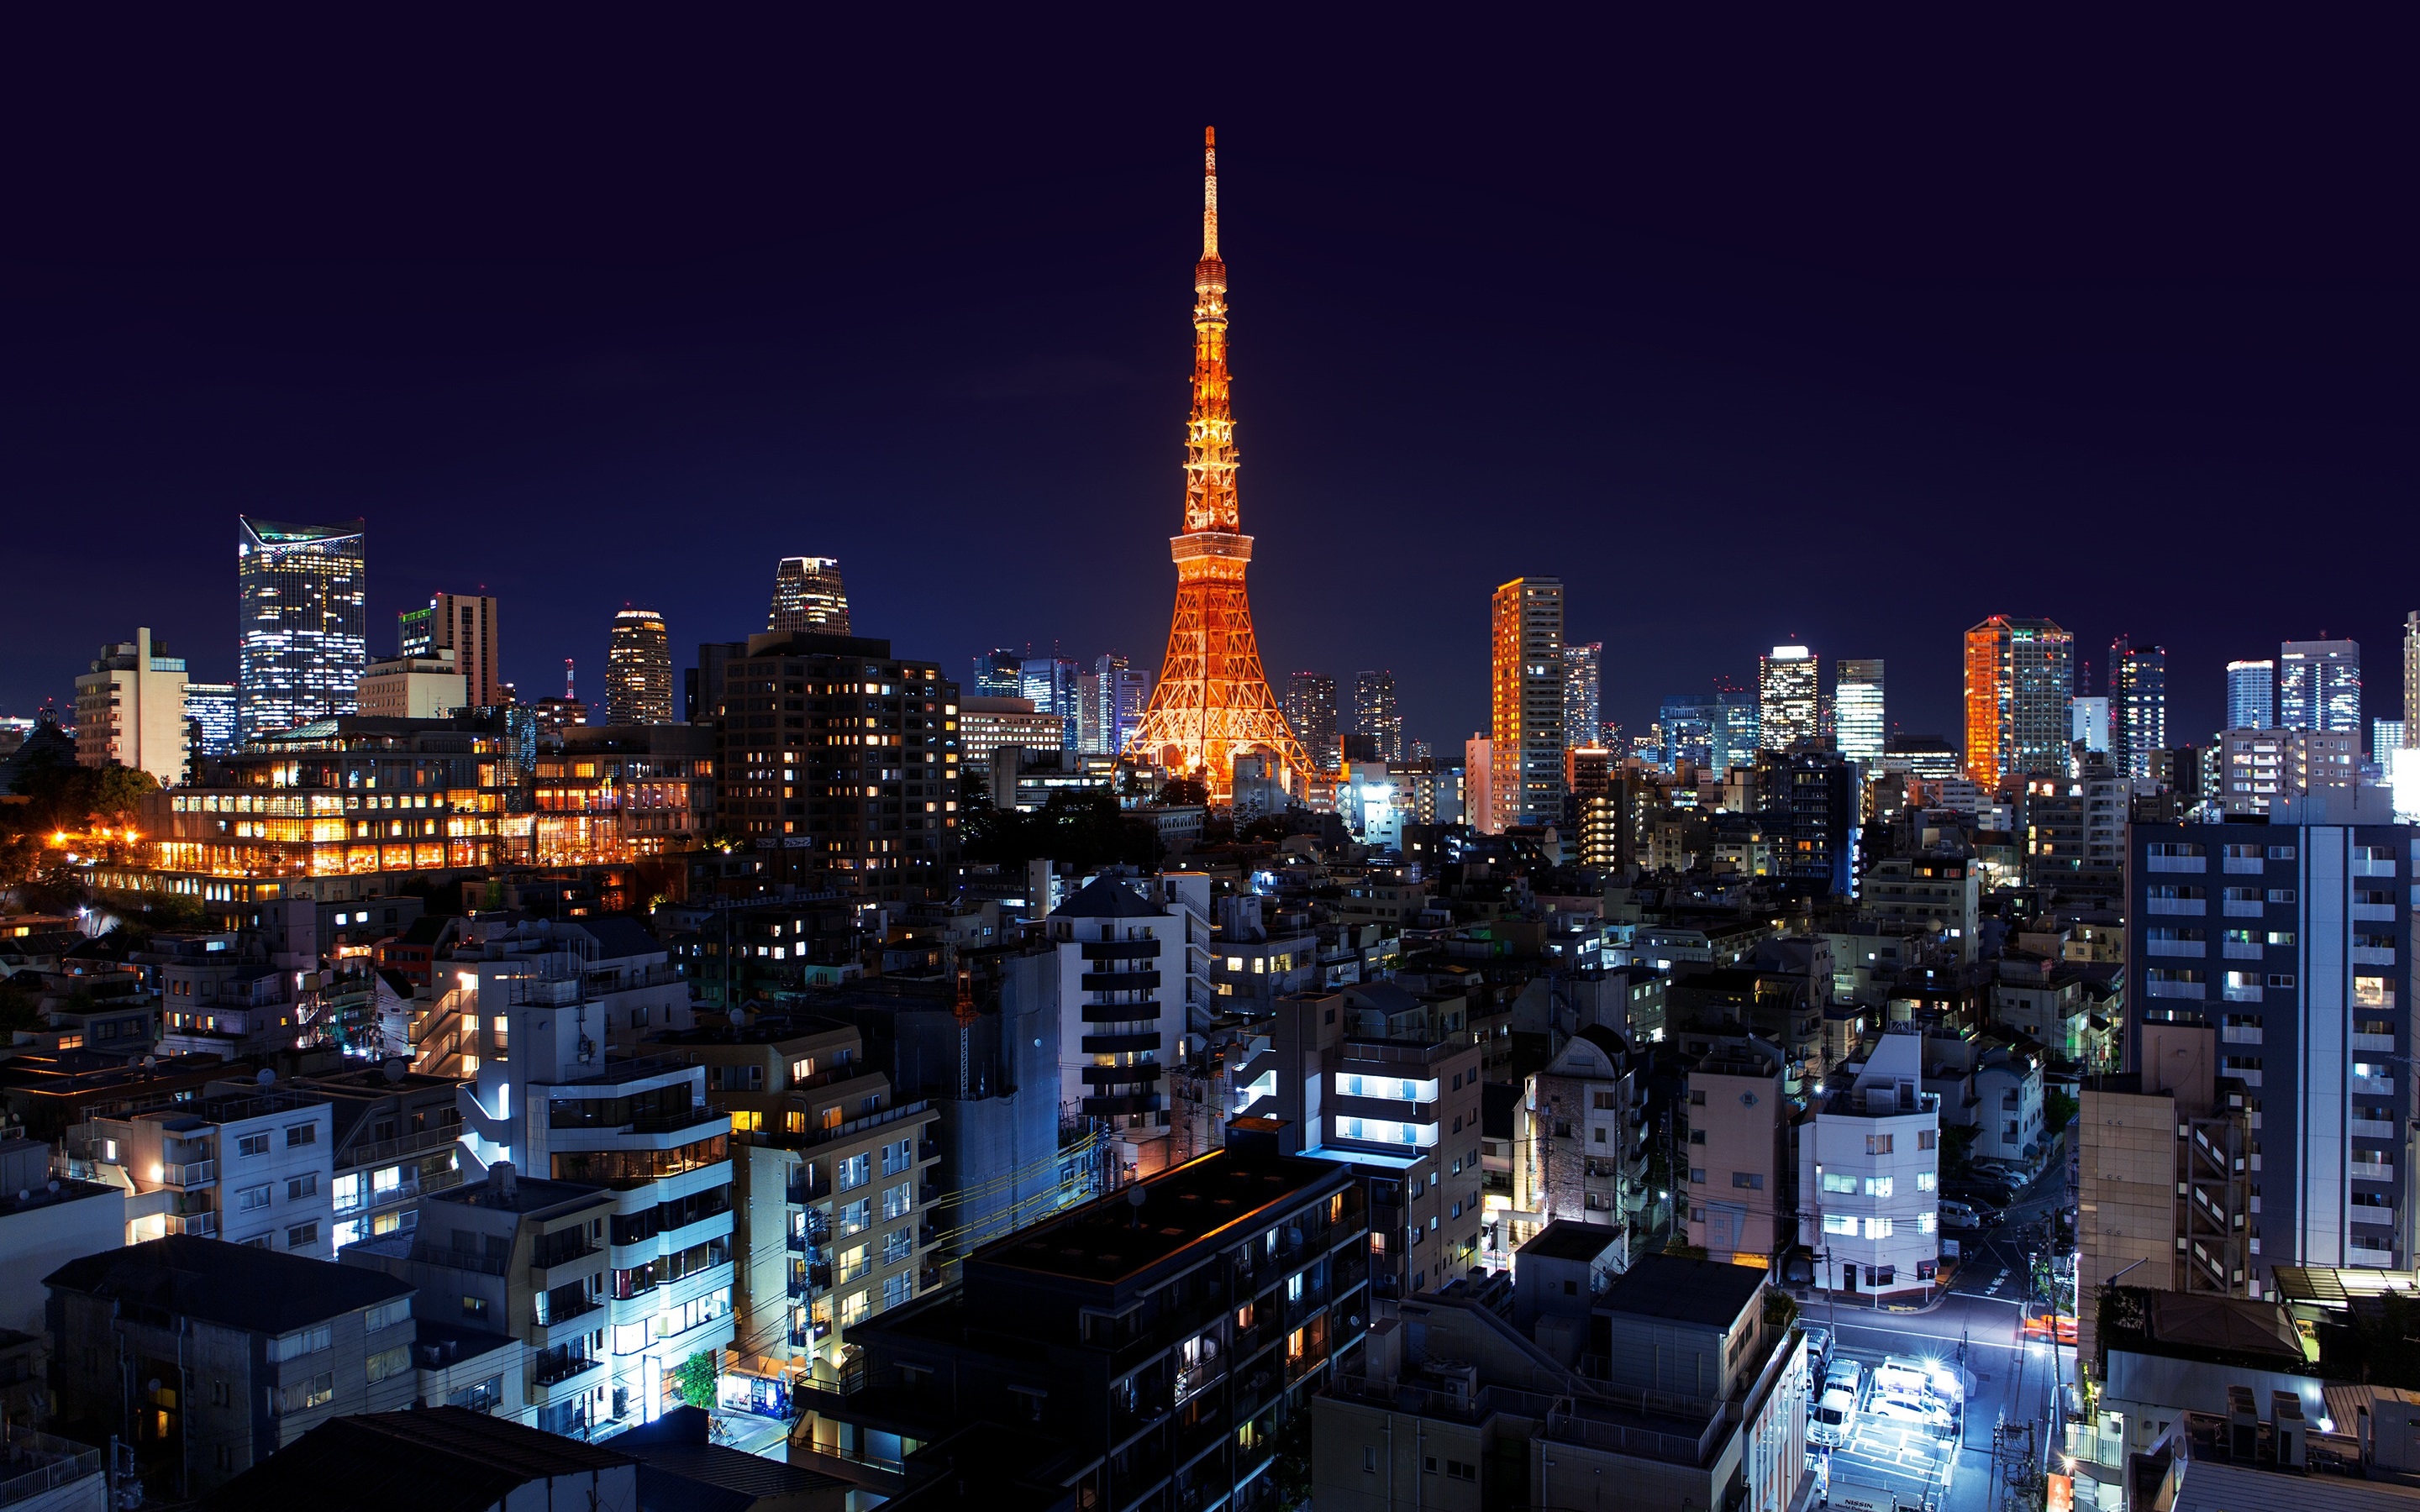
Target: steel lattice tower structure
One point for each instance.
(1213, 701)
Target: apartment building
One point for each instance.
(1144, 1349)
(1868, 1174)
(217, 1355)
(558, 1104)
(1943, 893)
(836, 1180)
(1125, 969)
(2291, 940)
(131, 710)
(1740, 1197)
(1405, 1113)
(530, 1260)
(1671, 1391)
(2170, 1212)
(1584, 1142)
(617, 791)
(243, 1162)
(396, 1136)
(43, 1224)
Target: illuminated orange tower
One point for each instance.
(1212, 701)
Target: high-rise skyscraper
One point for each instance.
(1311, 708)
(1112, 698)
(1583, 695)
(2319, 685)
(465, 625)
(2138, 707)
(302, 637)
(639, 669)
(2252, 695)
(2412, 679)
(1858, 718)
(2020, 674)
(211, 706)
(1377, 715)
(1000, 673)
(1526, 746)
(808, 596)
(1788, 696)
(1053, 684)
(1213, 701)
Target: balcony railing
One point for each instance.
(191, 1174)
(565, 1314)
(552, 1372)
(384, 1151)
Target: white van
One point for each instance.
(1834, 1419)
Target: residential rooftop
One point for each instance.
(236, 1286)
(1709, 1292)
(1569, 1239)
(1207, 1200)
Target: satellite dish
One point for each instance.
(267, 1077)
(24, 1195)
(392, 1071)
(153, 1384)
(151, 1062)
(1135, 1195)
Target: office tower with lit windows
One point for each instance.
(131, 710)
(2138, 707)
(2319, 685)
(857, 786)
(2252, 695)
(1858, 726)
(2087, 724)
(1584, 694)
(465, 625)
(808, 596)
(1686, 723)
(1526, 744)
(1000, 673)
(1110, 703)
(209, 715)
(2412, 678)
(1311, 708)
(1052, 683)
(1377, 715)
(1789, 696)
(302, 634)
(2020, 674)
(639, 669)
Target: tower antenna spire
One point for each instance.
(1209, 191)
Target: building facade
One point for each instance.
(1789, 696)
(2319, 685)
(1526, 746)
(808, 596)
(1311, 708)
(1859, 725)
(639, 669)
(839, 765)
(2292, 941)
(1868, 1177)
(302, 591)
(2020, 674)
(465, 625)
(209, 718)
(1377, 715)
(412, 688)
(131, 710)
(1584, 693)
(2252, 695)
(2138, 707)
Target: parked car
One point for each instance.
(1834, 1420)
(1958, 1215)
(1919, 1413)
(1845, 1375)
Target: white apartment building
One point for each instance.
(131, 710)
(247, 1163)
(2257, 767)
(1125, 969)
(546, 1096)
(1869, 1175)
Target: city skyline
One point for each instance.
(834, 376)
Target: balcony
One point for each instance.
(2365, 955)
(2192, 949)
(1144, 1013)
(559, 1381)
(1109, 1107)
(1118, 981)
(203, 1225)
(1119, 949)
(2374, 1041)
(797, 1241)
(1144, 1071)
(675, 1121)
(1116, 1044)
(193, 1174)
(2194, 907)
(928, 1149)
(557, 1316)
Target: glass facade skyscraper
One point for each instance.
(639, 669)
(2319, 685)
(2138, 707)
(1311, 708)
(1584, 694)
(1857, 720)
(808, 596)
(302, 593)
(1790, 696)
(2252, 695)
(2020, 674)
(1377, 715)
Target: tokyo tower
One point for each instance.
(1212, 701)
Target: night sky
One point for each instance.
(1750, 335)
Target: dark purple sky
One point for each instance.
(1750, 335)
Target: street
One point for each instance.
(1978, 1322)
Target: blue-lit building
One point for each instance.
(302, 632)
(2292, 940)
(2252, 695)
(1053, 682)
(999, 673)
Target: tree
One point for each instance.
(974, 789)
(695, 1379)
